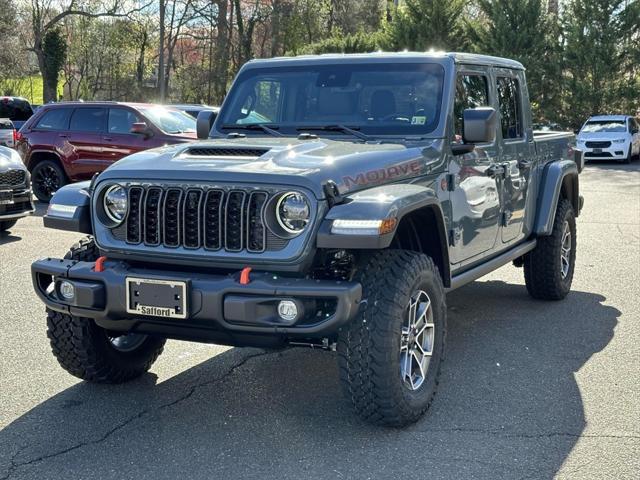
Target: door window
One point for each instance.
(510, 111)
(55, 119)
(472, 91)
(88, 120)
(121, 120)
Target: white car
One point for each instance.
(15, 189)
(610, 137)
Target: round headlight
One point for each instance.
(116, 203)
(292, 212)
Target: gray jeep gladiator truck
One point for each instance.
(332, 203)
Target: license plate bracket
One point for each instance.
(597, 150)
(157, 298)
(6, 197)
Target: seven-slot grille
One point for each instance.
(193, 218)
(13, 178)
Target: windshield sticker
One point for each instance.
(418, 120)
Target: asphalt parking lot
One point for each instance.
(529, 389)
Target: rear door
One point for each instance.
(84, 137)
(118, 141)
(517, 150)
(475, 200)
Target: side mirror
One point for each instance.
(204, 123)
(140, 128)
(480, 125)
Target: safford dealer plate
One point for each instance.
(157, 298)
(6, 197)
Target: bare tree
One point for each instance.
(46, 15)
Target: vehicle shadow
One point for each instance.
(8, 237)
(508, 406)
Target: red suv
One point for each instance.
(71, 141)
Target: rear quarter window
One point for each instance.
(55, 119)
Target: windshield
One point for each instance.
(382, 99)
(170, 121)
(604, 126)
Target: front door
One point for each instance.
(118, 141)
(517, 153)
(475, 200)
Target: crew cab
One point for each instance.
(331, 203)
(72, 141)
(610, 137)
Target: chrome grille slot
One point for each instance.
(152, 216)
(191, 217)
(212, 224)
(134, 221)
(233, 216)
(256, 232)
(172, 218)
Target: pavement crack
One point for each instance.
(16, 465)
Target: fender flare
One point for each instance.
(379, 203)
(554, 176)
(70, 208)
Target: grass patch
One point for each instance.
(27, 87)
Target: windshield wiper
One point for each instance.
(270, 129)
(337, 128)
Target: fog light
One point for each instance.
(288, 310)
(67, 290)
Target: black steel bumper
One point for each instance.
(219, 308)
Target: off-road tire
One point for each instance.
(542, 266)
(7, 224)
(83, 348)
(369, 347)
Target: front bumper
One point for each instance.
(617, 151)
(220, 309)
(19, 205)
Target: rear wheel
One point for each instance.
(548, 269)
(46, 178)
(92, 353)
(7, 224)
(390, 354)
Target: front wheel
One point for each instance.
(390, 354)
(92, 353)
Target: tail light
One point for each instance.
(17, 136)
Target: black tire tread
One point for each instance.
(363, 359)
(81, 347)
(541, 274)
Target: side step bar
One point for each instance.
(490, 265)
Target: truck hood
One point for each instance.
(281, 161)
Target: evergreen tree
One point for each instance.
(599, 47)
(424, 24)
(523, 31)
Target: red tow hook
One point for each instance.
(244, 276)
(99, 266)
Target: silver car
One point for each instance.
(7, 133)
(15, 189)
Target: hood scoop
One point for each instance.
(226, 152)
